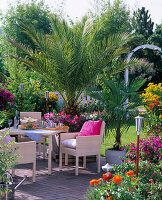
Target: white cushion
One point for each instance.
(70, 143)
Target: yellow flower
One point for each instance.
(30, 86)
(33, 92)
(37, 88)
(37, 81)
(38, 85)
(49, 106)
(45, 88)
(160, 116)
(111, 76)
(23, 80)
(26, 82)
(32, 82)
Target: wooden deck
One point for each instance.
(58, 185)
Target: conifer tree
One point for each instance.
(142, 23)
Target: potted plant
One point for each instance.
(118, 114)
(7, 161)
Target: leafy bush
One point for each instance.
(7, 160)
(125, 186)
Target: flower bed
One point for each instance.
(124, 185)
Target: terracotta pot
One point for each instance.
(113, 156)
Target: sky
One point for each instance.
(77, 8)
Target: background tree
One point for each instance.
(70, 58)
(35, 14)
(143, 28)
(142, 23)
(115, 17)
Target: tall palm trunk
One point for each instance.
(71, 108)
(118, 136)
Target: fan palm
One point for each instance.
(114, 96)
(71, 57)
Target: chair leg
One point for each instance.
(39, 148)
(13, 172)
(66, 159)
(84, 161)
(34, 171)
(44, 148)
(98, 163)
(60, 160)
(76, 165)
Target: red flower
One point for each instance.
(151, 106)
(130, 173)
(107, 178)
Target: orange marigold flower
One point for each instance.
(92, 182)
(129, 189)
(95, 182)
(117, 179)
(110, 197)
(130, 173)
(107, 178)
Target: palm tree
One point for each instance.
(114, 95)
(71, 57)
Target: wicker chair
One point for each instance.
(26, 152)
(85, 146)
(34, 115)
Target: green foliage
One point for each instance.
(114, 95)
(142, 23)
(7, 160)
(115, 18)
(35, 14)
(71, 58)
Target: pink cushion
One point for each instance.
(90, 128)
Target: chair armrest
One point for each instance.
(89, 142)
(64, 136)
(26, 150)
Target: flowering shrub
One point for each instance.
(90, 106)
(74, 122)
(155, 130)
(6, 99)
(153, 105)
(152, 92)
(125, 186)
(149, 149)
(51, 103)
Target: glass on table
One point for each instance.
(10, 122)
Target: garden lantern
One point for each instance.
(107, 168)
(138, 129)
(21, 90)
(46, 96)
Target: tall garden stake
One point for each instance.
(46, 95)
(138, 129)
(21, 89)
